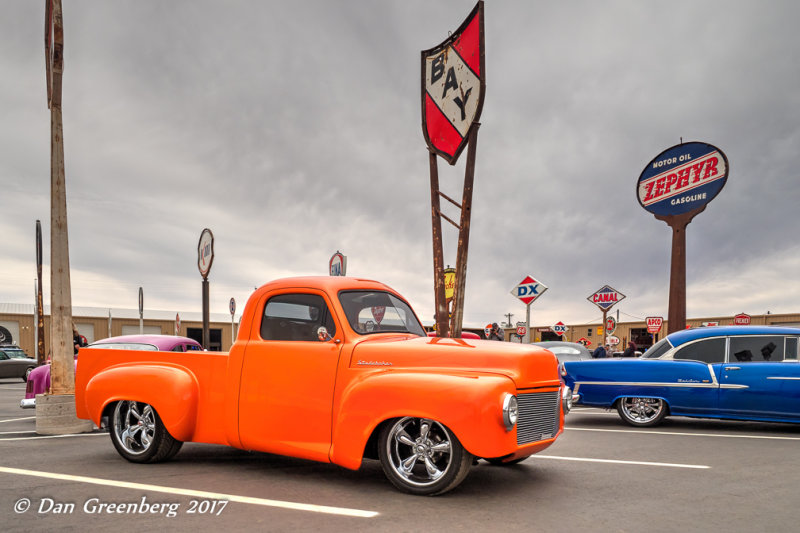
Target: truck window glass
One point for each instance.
(296, 317)
(379, 312)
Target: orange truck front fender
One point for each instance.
(469, 404)
(171, 390)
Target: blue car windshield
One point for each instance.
(657, 350)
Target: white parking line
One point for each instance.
(15, 432)
(196, 493)
(641, 463)
(50, 436)
(17, 419)
(681, 434)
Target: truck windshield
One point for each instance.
(379, 312)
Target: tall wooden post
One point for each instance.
(62, 371)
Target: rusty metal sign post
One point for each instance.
(676, 186)
(40, 357)
(453, 87)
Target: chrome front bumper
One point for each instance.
(28, 403)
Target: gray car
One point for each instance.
(566, 351)
(15, 363)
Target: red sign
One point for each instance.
(741, 320)
(611, 325)
(521, 331)
(585, 341)
(378, 313)
(453, 87)
(654, 324)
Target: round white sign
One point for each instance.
(205, 252)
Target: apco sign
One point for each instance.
(606, 298)
(337, 266)
(205, 252)
(654, 324)
(559, 328)
(453, 87)
(528, 290)
(741, 319)
(682, 178)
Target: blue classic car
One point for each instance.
(733, 372)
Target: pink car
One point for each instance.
(39, 378)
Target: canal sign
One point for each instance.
(606, 298)
(528, 290)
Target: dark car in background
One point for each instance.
(15, 363)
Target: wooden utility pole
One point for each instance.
(62, 371)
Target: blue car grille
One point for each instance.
(539, 415)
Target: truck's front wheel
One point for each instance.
(139, 435)
(422, 456)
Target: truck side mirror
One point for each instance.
(322, 334)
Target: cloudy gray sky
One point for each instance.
(292, 130)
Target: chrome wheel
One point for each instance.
(422, 456)
(639, 411)
(134, 426)
(139, 435)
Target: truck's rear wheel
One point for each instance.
(421, 456)
(139, 435)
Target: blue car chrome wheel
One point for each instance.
(642, 412)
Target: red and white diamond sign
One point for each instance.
(528, 290)
(559, 328)
(453, 86)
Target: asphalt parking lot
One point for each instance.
(687, 475)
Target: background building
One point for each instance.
(18, 325)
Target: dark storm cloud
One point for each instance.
(292, 129)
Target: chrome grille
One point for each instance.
(539, 415)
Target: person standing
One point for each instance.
(630, 351)
(496, 334)
(599, 352)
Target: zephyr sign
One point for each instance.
(682, 178)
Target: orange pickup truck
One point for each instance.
(333, 369)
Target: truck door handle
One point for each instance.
(733, 368)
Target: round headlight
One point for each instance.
(510, 411)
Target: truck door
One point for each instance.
(288, 377)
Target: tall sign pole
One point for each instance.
(606, 298)
(528, 290)
(453, 87)
(40, 357)
(205, 256)
(62, 372)
(141, 311)
(676, 186)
